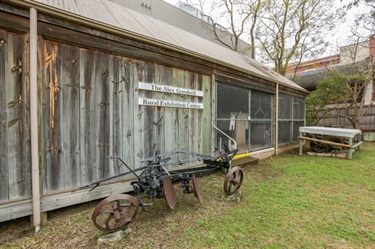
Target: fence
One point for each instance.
(336, 118)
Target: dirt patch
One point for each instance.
(22, 228)
(263, 171)
(15, 229)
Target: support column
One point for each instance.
(277, 120)
(300, 143)
(350, 151)
(34, 118)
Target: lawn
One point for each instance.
(287, 201)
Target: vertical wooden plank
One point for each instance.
(159, 112)
(4, 175)
(172, 116)
(181, 116)
(43, 106)
(191, 112)
(208, 114)
(168, 77)
(195, 126)
(43, 110)
(87, 117)
(17, 124)
(148, 117)
(102, 106)
(183, 113)
(94, 120)
(26, 143)
(68, 76)
(113, 142)
(199, 117)
(177, 119)
(141, 115)
(127, 105)
(52, 101)
(195, 121)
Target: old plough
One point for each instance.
(154, 182)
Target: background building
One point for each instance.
(350, 58)
(186, 17)
(308, 73)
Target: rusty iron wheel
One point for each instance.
(169, 193)
(196, 191)
(115, 212)
(233, 180)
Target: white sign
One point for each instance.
(169, 89)
(169, 103)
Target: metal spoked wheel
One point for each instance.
(233, 180)
(115, 212)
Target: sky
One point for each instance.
(339, 36)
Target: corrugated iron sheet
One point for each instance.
(112, 14)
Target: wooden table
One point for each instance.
(351, 134)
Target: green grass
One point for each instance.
(288, 201)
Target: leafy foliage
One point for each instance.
(333, 89)
(336, 89)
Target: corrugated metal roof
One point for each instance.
(111, 14)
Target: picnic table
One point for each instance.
(353, 136)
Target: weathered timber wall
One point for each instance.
(337, 118)
(88, 110)
(15, 166)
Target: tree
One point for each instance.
(291, 30)
(281, 30)
(367, 20)
(357, 83)
(363, 94)
(232, 11)
(337, 90)
(254, 10)
(232, 20)
(331, 91)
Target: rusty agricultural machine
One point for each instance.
(326, 143)
(155, 181)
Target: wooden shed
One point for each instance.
(82, 80)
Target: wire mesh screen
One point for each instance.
(298, 116)
(285, 107)
(296, 125)
(298, 108)
(285, 132)
(231, 100)
(291, 117)
(260, 135)
(232, 115)
(245, 116)
(260, 120)
(261, 106)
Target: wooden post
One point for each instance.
(300, 144)
(359, 141)
(350, 151)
